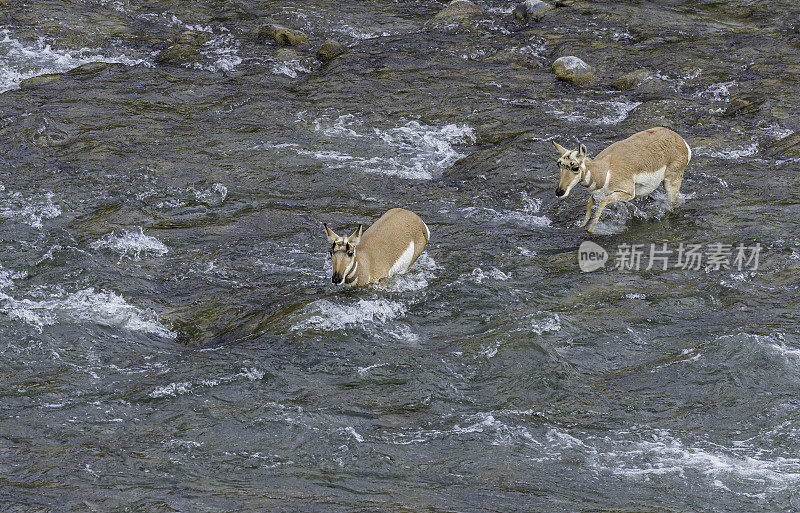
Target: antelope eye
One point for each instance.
(350, 253)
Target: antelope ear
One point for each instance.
(582, 152)
(355, 237)
(332, 237)
(560, 149)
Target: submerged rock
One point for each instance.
(573, 70)
(532, 10)
(287, 54)
(789, 146)
(193, 37)
(40, 80)
(743, 104)
(631, 79)
(178, 54)
(281, 35)
(458, 12)
(330, 49)
(90, 68)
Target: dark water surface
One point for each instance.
(169, 336)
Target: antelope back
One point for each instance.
(397, 236)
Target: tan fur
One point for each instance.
(381, 245)
(626, 169)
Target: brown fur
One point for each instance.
(382, 244)
(642, 153)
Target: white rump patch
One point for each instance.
(427, 231)
(690, 151)
(402, 263)
(648, 182)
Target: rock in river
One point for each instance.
(281, 35)
(287, 54)
(330, 49)
(179, 53)
(457, 12)
(532, 10)
(573, 70)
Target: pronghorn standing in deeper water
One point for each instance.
(390, 246)
(632, 167)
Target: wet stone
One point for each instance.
(532, 10)
(330, 49)
(178, 54)
(286, 54)
(193, 37)
(458, 12)
(40, 80)
(631, 79)
(90, 68)
(281, 35)
(573, 70)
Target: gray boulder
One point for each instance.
(573, 70)
(532, 10)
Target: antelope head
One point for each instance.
(572, 165)
(343, 254)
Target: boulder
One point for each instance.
(532, 10)
(573, 70)
(281, 35)
(330, 49)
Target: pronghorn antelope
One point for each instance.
(632, 167)
(390, 246)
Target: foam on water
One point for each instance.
(177, 388)
(290, 68)
(415, 279)
(664, 454)
(326, 315)
(214, 195)
(413, 150)
(481, 424)
(478, 275)
(221, 52)
(29, 210)
(104, 308)
(599, 112)
(132, 243)
(729, 153)
(20, 61)
(719, 91)
(524, 216)
(544, 322)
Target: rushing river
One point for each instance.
(169, 336)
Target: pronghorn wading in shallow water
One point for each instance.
(632, 167)
(390, 246)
